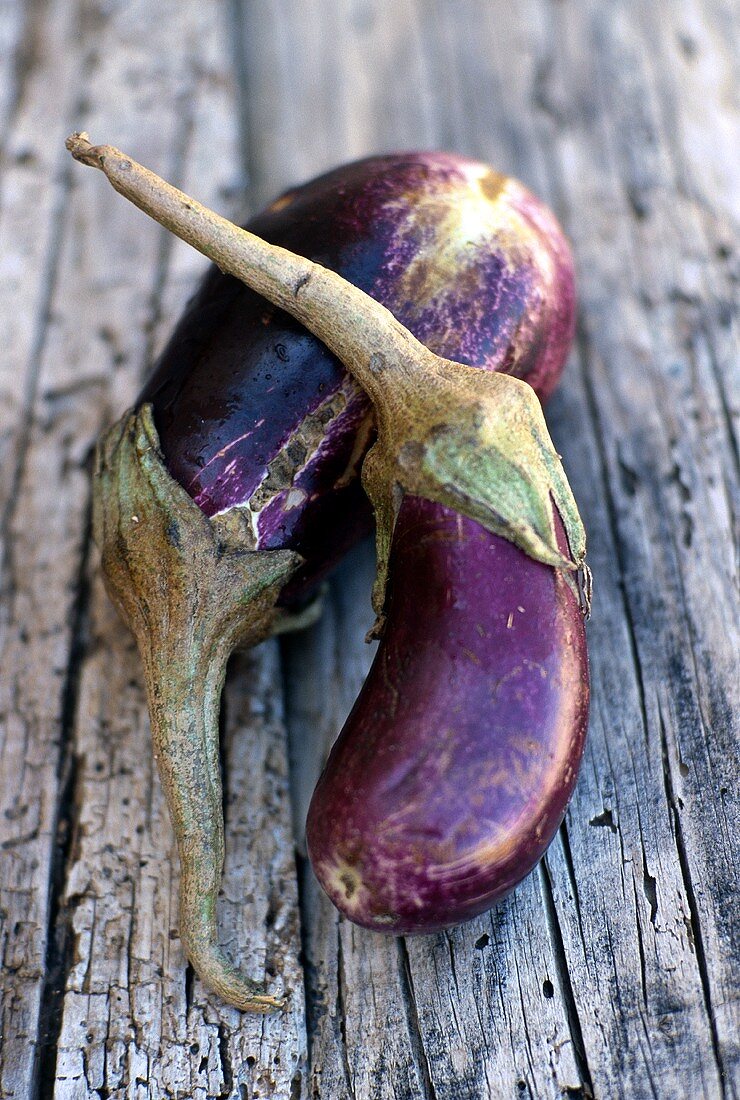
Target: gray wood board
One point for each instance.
(96, 997)
(610, 970)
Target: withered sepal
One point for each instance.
(190, 593)
(473, 441)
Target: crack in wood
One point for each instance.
(31, 380)
(418, 1051)
(340, 1009)
(561, 963)
(584, 354)
(21, 64)
(696, 934)
(58, 932)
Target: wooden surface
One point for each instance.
(613, 970)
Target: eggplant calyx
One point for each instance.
(475, 442)
(190, 593)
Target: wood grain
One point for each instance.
(625, 989)
(97, 999)
(612, 970)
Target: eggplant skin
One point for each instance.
(456, 764)
(252, 409)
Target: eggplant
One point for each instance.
(465, 485)
(251, 409)
(456, 764)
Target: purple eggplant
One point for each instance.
(504, 302)
(476, 525)
(454, 769)
(251, 408)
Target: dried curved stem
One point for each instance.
(346, 319)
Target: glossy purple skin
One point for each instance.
(470, 261)
(454, 769)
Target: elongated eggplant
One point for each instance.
(454, 769)
(462, 464)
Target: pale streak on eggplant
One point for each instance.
(296, 455)
(297, 452)
(220, 454)
(462, 219)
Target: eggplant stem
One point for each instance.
(361, 332)
(189, 595)
(184, 711)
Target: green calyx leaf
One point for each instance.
(478, 443)
(497, 465)
(164, 560)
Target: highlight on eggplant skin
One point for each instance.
(456, 764)
(250, 408)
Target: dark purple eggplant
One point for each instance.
(448, 437)
(252, 408)
(454, 769)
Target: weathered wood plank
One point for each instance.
(610, 971)
(14, 20)
(300, 113)
(135, 1021)
(110, 989)
(664, 450)
(627, 921)
(42, 541)
(175, 1039)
